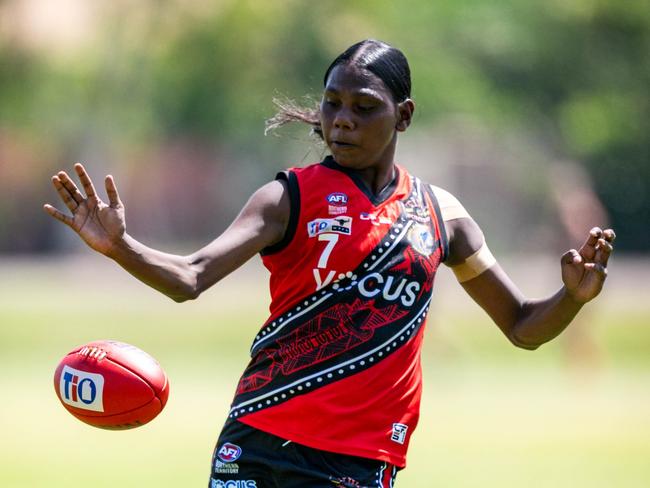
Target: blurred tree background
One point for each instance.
(171, 97)
(535, 114)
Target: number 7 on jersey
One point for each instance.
(331, 239)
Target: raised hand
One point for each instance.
(99, 224)
(584, 271)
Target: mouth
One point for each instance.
(339, 144)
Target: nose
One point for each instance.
(344, 120)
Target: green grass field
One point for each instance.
(492, 415)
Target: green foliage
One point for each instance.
(574, 72)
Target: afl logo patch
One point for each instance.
(229, 452)
(337, 199)
(337, 203)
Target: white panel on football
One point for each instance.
(82, 389)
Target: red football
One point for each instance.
(111, 385)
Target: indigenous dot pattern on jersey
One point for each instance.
(336, 366)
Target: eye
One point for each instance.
(367, 104)
(366, 107)
(331, 102)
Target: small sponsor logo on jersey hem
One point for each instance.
(345, 482)
(399, 433)
(218, 483)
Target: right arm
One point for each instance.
(527, 323)
(261, 223)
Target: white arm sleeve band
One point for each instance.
(474, 265)
(450, 207)
(481, 260)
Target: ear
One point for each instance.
(405, 112)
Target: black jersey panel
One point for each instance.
(441, 223)
(294, 213)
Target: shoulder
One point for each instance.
(272, 195)
(268, 210)
(287, 185)
(278, 203)
(463, 233)
(311, 168)
(450, 206)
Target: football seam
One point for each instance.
(116, 414)
(155, 393)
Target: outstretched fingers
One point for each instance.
(69, 185)
(87, 183)
(67, 190)
(111, 189)
(58, 214)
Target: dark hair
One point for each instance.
(384, 61)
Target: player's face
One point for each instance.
(359, 118)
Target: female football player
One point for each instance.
(331, 395)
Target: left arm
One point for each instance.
(528, 323)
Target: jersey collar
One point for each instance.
(376, 199)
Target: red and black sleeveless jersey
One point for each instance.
(337, 365)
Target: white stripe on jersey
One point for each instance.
(417, 317)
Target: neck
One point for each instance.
(380, 173)
(377, 178)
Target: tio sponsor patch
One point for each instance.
(399, 433)
(217, 483)
(337, 203)
(340, 225)
(81, 389)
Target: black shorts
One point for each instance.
(246, 457)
